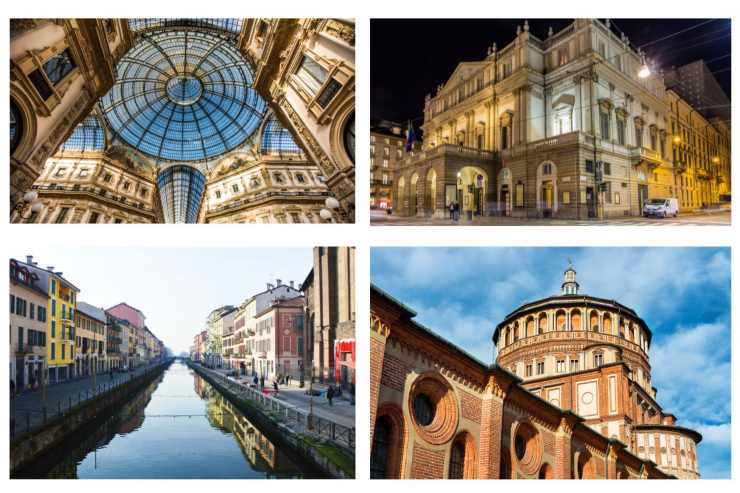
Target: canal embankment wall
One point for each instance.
(27, 448)
(331, 460)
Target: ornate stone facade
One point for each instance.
(555, 127)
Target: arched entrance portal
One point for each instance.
(472, 189)
(504, 192)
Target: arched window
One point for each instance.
(594, 322)
(16, 126)
(543, 323)
(560, 320)
(349, 137)
(381, 446)
(575, 320)
(457, 460)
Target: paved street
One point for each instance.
(27, 409)
(342, 411)
(701, 218)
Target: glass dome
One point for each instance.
(183, 95)
(181, 192)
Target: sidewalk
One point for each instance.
(26, 409)
(342, 411)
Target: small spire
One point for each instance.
(570, 285)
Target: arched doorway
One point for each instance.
(547, 189)
(413, 194)
(504, 192)
(472, 190)
(430, 195)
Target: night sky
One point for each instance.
(410, 57)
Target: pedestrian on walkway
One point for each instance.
(262, 382)
(452, 210)
(330, 394)
(275, 386)
(254, 380)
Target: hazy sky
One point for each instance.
(683, 294)
(176, 288)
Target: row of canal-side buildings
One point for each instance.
(52, 332)
(302, 331)
(564, 126)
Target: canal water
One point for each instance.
(179, 426)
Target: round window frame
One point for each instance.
(531, 459)
(443, 426)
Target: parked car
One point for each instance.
(661, 207)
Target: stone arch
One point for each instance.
(475, 179)
(24, 144)
(516, 331)
(547, 187)
(530, 327)
(392, 460)
(594, 321)
(542, 323)
(585, 467)
(607, 323)
(575, 320)
(463, 456)
(560, 320)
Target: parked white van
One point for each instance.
(660, 207)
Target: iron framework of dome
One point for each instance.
(183, 95)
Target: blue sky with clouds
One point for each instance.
(682, 293)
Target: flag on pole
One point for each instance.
(410, 137)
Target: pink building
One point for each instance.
(127, 312)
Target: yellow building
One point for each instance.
(90, 340)
(700, 154)
(62, 305)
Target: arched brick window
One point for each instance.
(560, 320)
(462, 457)
(575, 320)
(389, 437)
(381, 448)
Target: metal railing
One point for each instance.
(299, 419)
(23, 421)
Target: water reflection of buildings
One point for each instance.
(262, 454)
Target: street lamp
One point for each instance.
(331, 205)
(644, 72)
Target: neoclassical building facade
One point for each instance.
(182, 120)
(569, 397)
(556, 127)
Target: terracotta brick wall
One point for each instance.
(427, 464)
(394, 373)
(490, 438)
(377, 352)
(470, 405)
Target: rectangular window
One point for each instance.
(617, 198)
(59, 66)
(62, 215)
(561, 366)
(589, 166)
(604, 119)
(574, 365)
(528, 370)
(620, 131)
(20, 338)
(566, 198)
(332, 88)
(607, 169)
(32, 312)
(312, 74)
(519, 195)
(540, 367)
(40, 83)
(53, 349)
(94, 216)
(64, 350)
(638, 136)
(53, 328)
(12, 304)
(504, 137)
(598, 360)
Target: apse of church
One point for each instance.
(569, 397)
(182, 120)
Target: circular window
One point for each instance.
(423, 409)
(528, 449)
(349, 137)
(433, 408)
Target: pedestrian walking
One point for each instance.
(254, 380)
(330, 394)
(262, 382)
(452, 210)
(275, 386)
